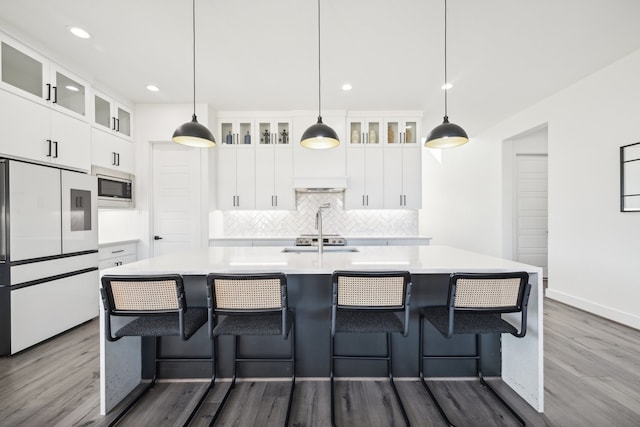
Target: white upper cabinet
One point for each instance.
(401, 131)
(111, 152)
(274, 132)
(274, 170)
(53, 100)
(365, 177)
(236, 179)
(236, 132)
(112, 116)
(364, 131)
(51, 136)
(403, 177)
(26, 73)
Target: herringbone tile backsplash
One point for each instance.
(336, 220)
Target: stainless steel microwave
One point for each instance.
(115, 189)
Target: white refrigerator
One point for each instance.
(48, 252)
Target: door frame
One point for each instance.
(530, 142)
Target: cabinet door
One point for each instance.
(374, 177)
(112, 116)
(72, 139)
(412, 176)
(227, 179)
(245, 179)
(265, 177)
(18, 140)
(355, 195)
(393, 179)
(274, 132)
(112, 152)
(236, 132)
(23, 71)
(34, 211)
(283, 179)
(69, 93)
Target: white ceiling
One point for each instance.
(503, 55)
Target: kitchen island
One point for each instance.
(519, 361)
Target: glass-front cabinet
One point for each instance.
(111, 116)
(364, 131)
(28, 74)
(274, 132)
(236, 132)
(401, 131)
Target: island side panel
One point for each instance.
(523, 358)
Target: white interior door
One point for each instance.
(531, 210)
(176, 198)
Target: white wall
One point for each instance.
(593, 248)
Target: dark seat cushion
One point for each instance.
(361, 321)
(252, 324)
(163, 325)
(467, 322)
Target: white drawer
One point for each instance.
(116, 250)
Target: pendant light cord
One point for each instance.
(194, 57)
(319, 91)
(446, 89)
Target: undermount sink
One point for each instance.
(311, 249)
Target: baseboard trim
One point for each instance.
(609, 313)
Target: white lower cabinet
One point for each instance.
(116, 254)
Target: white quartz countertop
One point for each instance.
(416, 259)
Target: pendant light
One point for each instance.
(193, 133)
(319, 135)
(447, 135)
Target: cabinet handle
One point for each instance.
(117, 125)
(113, 126)
(363, 200)
(238, 200)
(404, 200)
(118, 251)
(367, 200)
(118, 154)
(55, 94)
(55, 145)
(276, 200)
(49, 148)
(48, 91)
(113, 161)
(401, 200)
(272, 200)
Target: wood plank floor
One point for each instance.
(592, 378)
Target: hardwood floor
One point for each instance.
(592, 378)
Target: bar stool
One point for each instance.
(251, 305)
(367, 302)
(159, 306)
(475, 303)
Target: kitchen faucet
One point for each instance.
(319, 226)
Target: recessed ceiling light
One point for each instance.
(152, 88)
(79, 32)
(72, 88)
(447, 86)
(347, 87)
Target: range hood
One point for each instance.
(320, 185)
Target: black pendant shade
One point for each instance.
(446, 135)
(194, 134)
(319, 136)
